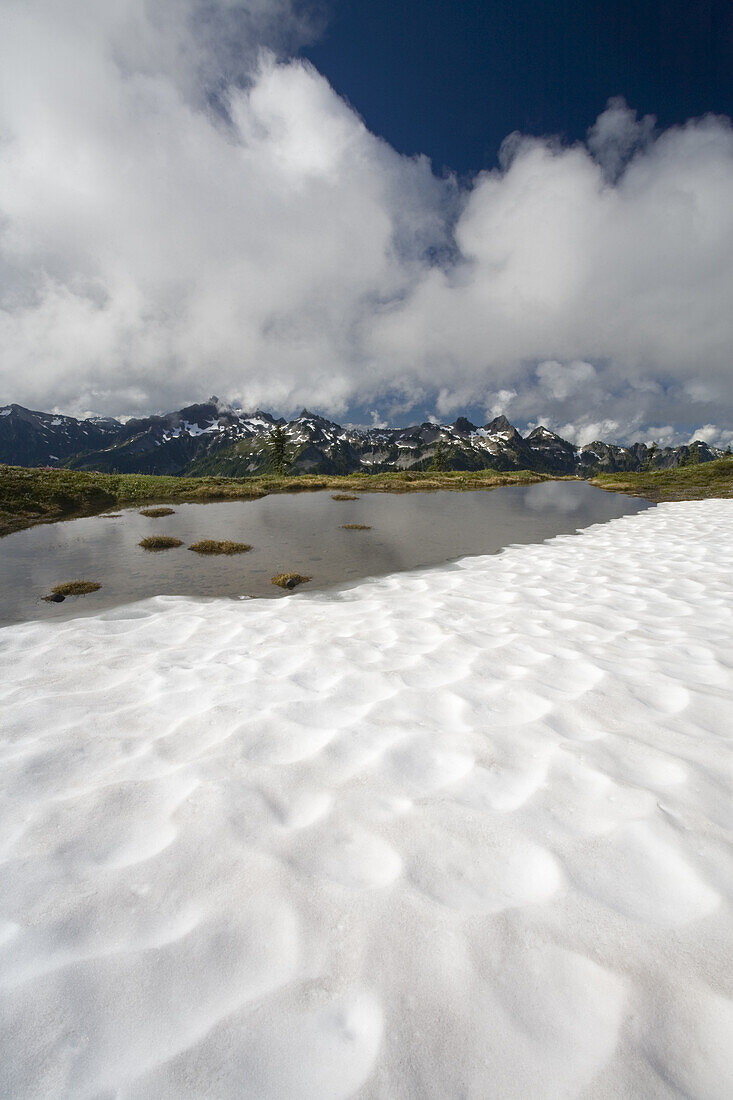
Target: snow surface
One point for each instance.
(462, 832)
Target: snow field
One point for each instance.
(462, 832)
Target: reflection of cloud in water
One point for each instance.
(555, 496)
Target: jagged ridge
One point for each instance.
(215, 438)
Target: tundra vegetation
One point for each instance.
(30, 495)
(157, 513)
(160, 542)
(75, 588)
(694, 481)
(219, 546)
(289, 580)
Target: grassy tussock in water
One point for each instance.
(219, 546)
(75, 588)
(157, 513)
(289, 580)
(160, 542)
(344, 496)
(355, 527)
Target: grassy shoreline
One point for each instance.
(694, 482)
(31, 495)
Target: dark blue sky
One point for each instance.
(451, 78)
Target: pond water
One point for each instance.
(289, 533)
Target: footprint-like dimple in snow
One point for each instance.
(272, 738)
(640, 872)
(503, 788)
(660, 694)
(73, 940)
(147, 1005)
(348, 855)
(257, 812)
(114, 826)
(555, 1022)
(477, 874)
(568, 677)
(583, 801)
(304, 808)
(576, 724)
(688, 1040)
(632, 762)
(418, 766)
(321, 1051)
(514, 705)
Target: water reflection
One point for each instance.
(554, 496)
(301, 533)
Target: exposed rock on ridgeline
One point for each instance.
(215, 438)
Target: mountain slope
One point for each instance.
(29, 438)
(213, 438)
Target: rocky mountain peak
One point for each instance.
(542, 433)
(500, 424)
(214, 437)
(463, 426)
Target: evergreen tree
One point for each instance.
(440, 459)
(341, 458)
(278, 448)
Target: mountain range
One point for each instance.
(215, 438)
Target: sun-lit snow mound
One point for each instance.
(463, 832)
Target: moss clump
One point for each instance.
(355, 527)
(157, 513)
(75, 588)
(160, 542)
(289, 580)
(343, 496)
(219, 546)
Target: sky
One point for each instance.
(385, 213)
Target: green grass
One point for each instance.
(219, 546)
(33, 495)
(160, 542)
(694, 482)
(289, 580)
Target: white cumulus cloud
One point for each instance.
(186, 207)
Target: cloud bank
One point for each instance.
(186, 208)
